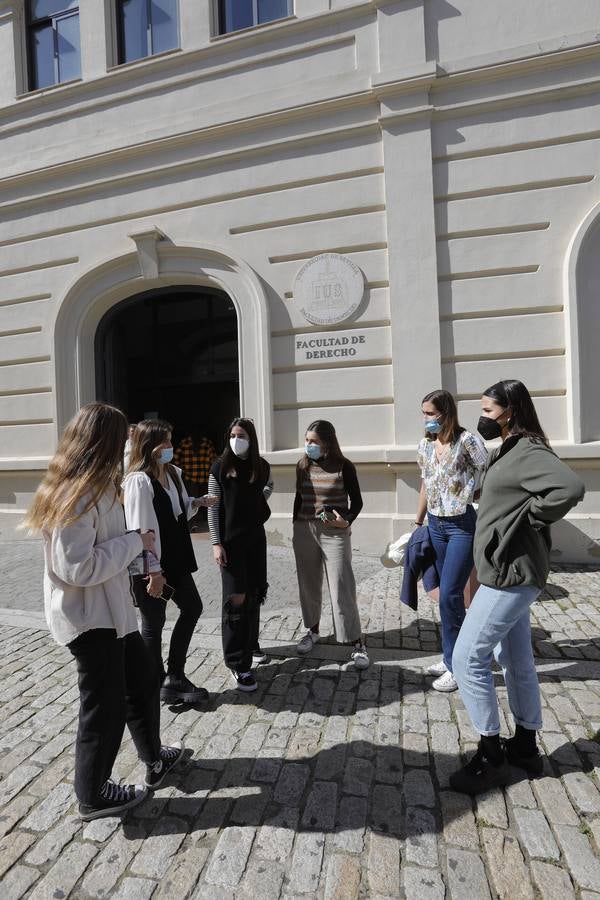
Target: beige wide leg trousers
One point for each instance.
(317, 546)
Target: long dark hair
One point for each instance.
(523, 417)
(229, 461)
(445, 404)
(328, 438)
(147, 436)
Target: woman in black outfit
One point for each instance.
(156, 500)
(241, 481)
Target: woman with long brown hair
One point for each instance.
(156, 499)
(327, 501)
(89, 608)
(240, 482)
(451, 460)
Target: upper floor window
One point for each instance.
(54, 46)
(146, 27)
(236, 14)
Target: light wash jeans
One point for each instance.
(497, 624)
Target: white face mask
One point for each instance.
(240, 446)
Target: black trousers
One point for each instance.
(245, 573)
(153, 612)
(118, 684)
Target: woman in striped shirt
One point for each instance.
(327, 501)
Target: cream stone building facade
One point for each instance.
(154, 215)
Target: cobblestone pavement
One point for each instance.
(325, 783)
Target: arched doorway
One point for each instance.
(172, 353)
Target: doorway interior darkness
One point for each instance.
(173, 353)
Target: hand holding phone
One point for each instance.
(168, 592)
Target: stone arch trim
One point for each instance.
(92, 294)
(576, 254)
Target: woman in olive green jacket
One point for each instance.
(526, 488)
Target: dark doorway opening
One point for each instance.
(172, 353)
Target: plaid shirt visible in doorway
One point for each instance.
(195, 464)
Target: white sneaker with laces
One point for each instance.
(306, 643)
(445, 683)
(438, 668)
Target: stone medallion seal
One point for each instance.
(329, 289)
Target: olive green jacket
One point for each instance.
(524, 491)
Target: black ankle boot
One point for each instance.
(176, 688)
(487, 769)
(522, 751)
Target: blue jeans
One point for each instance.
(497, 624)
(452, 539)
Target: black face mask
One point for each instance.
(488, 428)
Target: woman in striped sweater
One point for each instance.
(327, 501)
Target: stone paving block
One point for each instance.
(321, 804)
(415, 749)
(266, 769)
(291, 784)
(343, 878)
(51, 809)
(163, 842)
(422, 885)
(459, 821)
(386, 809)
(14, 811)
(65, 873)
(414, 718)
(331, 763)
(509, 875)
(490, 809)
(335, 730)
(230, 856)
(519, 793)
(16, 781)
(53, 842)
(100, 830)
(180, 879)
(134, 889)
(306, 862)
(383, 866)
(560, 750)
(358, 775)
(389, 766)
(466, 876)
(582, 862)
(551, 881)
(274, 840)
(17, 881)
(554, 801)
(60, 770)
(536, 835)
(262, 881)
(417, 788)
(12, 847)
(583, 792)
(350, 826)
(421, 837)
(249, 809)
(111, 863)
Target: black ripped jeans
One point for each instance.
(245, 573)
(153, 612)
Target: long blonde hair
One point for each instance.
(86, 464)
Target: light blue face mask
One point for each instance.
(313, 451)
(432, 426)
(166, 455)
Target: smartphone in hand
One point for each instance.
(168, 592)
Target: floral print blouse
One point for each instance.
(451, 482)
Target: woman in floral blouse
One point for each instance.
(451, 461)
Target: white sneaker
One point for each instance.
(445, 683)
(360, 657)
(306, 643)
(437, 669)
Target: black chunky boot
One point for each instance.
(487, 769)
(522, 751)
